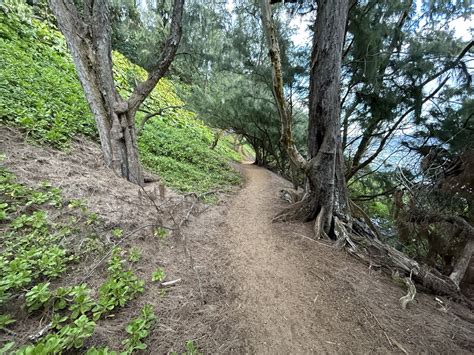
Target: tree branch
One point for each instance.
(154, 114)
(356, 168)
(450, 65)
(143, 89)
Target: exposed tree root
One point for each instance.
(318, 227)
(362, 241)
(299, 211)
(411, 292)
(391, 261)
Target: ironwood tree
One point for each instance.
(88, 34)
(325, 195)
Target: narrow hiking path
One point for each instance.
(273, 291)
(300, 296)
(277, 291)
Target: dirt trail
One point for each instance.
(300, 296)
(274, 291)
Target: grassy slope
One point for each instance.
(40, 92)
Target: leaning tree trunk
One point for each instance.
(87, 33)
(326, 191)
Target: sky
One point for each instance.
(464, 28)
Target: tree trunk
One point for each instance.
(462, 263)
(90, 46)
(325, 171)
(326, 192)
(87, 33)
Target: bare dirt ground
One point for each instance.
(248, 285)
(299, 296)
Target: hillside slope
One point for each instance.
(40, 92)
(120, 215)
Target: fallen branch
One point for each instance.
(399, 346)
(40, 332)
(170, 283)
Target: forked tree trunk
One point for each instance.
(326, 192)
(87, 33)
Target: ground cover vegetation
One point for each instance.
(43, 237)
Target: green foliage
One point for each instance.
(81, 302)
(39, 90)
(38, 296)
(138, 329)
(117, 232)
(6, 347)
(34, 247)
(6, 319)
(29, 248)
(120, 287)
(160, 233)
(100, 351)
(369, 183)
(158, 275)
(70, 336)
(183, 159)
(134, 255)
(191, 348)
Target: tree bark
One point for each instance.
(326, 193)
(325, 171)
(89, 40)
(462, 263)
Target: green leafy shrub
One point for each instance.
(134, 255)
(138, 329)
(39, 90)
(38, 296)
(191, 348)
(31, 250)
(6, 319)
(158, 275)
(70, 336)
